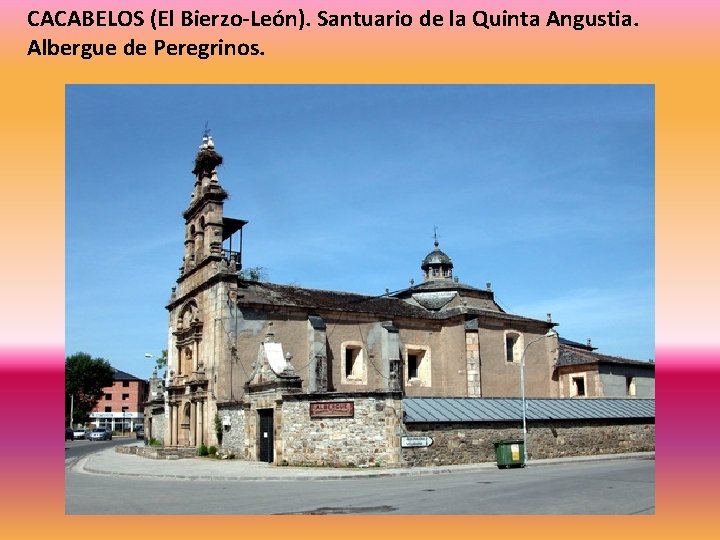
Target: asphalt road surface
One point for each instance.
(76, 449)
(620, 487)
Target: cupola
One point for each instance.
(437, 265)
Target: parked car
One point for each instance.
(99, 434)
(69, 435)
(140, 432)
(79, 433)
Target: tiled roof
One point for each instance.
(287, 295)
(564, 341)
(570, 356)
(273, 294)
(432, 409)
(123, 376)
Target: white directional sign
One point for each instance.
(415, 442)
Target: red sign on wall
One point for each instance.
(332, 409)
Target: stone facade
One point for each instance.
(156, 425)
(369, 439)
(232, 418)
(455, 444)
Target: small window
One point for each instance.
(579, 386)
(351, 357)
(353, 363)
(413, 364)
(126, 384)
(417, 366)
(510, 341)
(125, 397)
(513, 347)
(108, 409)
(630, 386)
(108, 397)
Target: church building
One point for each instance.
(276, 371)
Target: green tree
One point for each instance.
(161, 361)
(85, 378)
(256, 273)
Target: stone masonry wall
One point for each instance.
(472, 354)
(234, 435)
(157, 430)
(474, 443)
(370, 438)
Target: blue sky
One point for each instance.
(547, 192)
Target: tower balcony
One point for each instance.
(229, 255)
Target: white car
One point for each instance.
(79, 433)
(100, 434)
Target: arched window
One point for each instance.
(513, 347)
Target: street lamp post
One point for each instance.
(550, 333)
(150, 397)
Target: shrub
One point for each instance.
(218, 428)
(212, 450)
(203, 450)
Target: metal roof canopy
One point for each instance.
(429, 409)
(231, 226)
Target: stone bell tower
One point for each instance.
(203, 217)
(198, 347)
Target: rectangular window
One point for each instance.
(353, 370)
(413, 365)
(417, 366)
(126, 384)
(513, 347)
(108, 409)
(509, 342)
(126, 397)
(630, 386)
(579, 384)
(108, 397)
(350, 359)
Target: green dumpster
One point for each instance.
(510, 453)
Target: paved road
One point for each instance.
(623, 486)
(74, 450)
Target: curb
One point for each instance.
(285, 474)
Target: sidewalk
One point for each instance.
(112, 463)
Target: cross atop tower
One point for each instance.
(207, 141)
